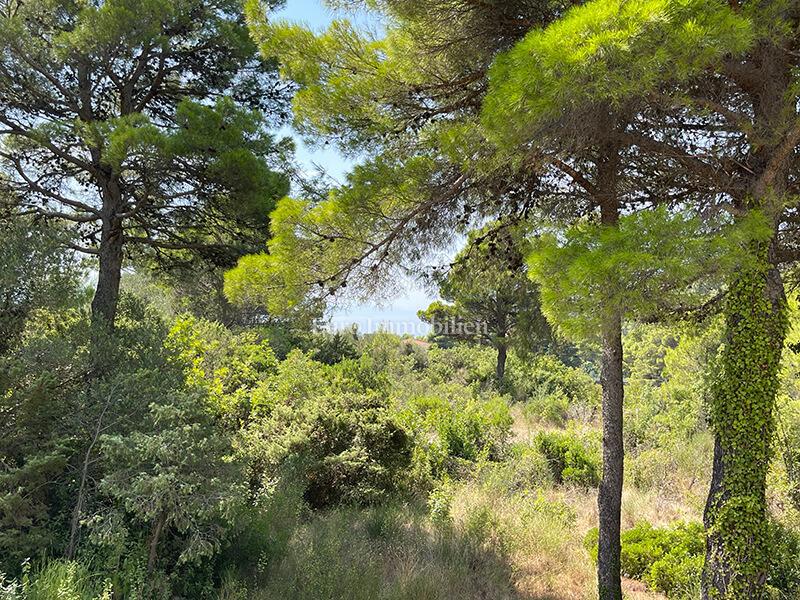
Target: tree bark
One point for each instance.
(609, 497)
(745, 388)
(502, 356)
(155, 538)
(106, 297)
(743, 419)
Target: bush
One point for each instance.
(668, 560)
(549, 407)
(550, 384)
(526, 468)
(343, 447)
(785, 566)
(571, 459)
(645, 545)
(464, 364)
(447, 432)
(228, 366)
(676, 574)
(58, 579)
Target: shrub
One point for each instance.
(668, 560)
(226, 365)
(58, 579)
(644, 545)
(676, 574)
(341, 446)
(463, 363)
(526, 468)
(449, 431)
(550, 407)
(546, 377)
(440, 503)
(785, 564)
(571, 459)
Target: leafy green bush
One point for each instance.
(440, 503)
(571, 459)
(58, 579)
(342, 446)
(676, 575)
(525, 468)
(59, 388)
(172, 476)
(668, 560)
(227, 366)
(449, 431)
(785, 560)
(463, 363)
(552, 391)
(546, 406)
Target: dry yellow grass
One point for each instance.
(544, 533)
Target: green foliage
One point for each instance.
(36, 272)
(524, 468)
(649, 264)
(60, 579)
(742, 414)
(604, 53)
(175, 476)
(670, 559)
(144, 116)
(335, 347)
(547, 407)
(261, 531)
(784, 559)
(348, 243)
(342, 446)
(571, 459)
(227, 366)
(552, 391)
(51, 416)
(463, 363)
(450, 432)
(667, 370)
(440, 503)
(500, 307)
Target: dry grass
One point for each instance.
(504, 542)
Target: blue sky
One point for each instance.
(398, 314)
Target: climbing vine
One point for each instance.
(742, 409)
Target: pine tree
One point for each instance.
(138, 123)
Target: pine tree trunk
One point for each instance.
(155, 538)
(104, 304)
(502, 356)
(743, 419)
(747, 377)
(609, 499)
